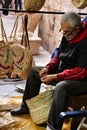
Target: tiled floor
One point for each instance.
(9, 88)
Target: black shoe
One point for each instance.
(19, 111)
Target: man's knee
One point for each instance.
(63, 86)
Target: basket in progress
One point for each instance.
(40, 106)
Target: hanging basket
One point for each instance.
(33, 5)
(21, 53)
(15, 59)
(80, 4)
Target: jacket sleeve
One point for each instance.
(53, 64)
(74, 74)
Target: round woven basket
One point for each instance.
(80, 4)
(21, 54)
(33, 5)
(39, 106)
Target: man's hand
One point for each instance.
(43, 72)
(48, 78)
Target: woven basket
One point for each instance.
(39, 106)
(33, 5)
(22, 56)
(15, 59)
(22, 60)
(21, 53)
(35, 45)
(80, 4)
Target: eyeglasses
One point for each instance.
(67, 33)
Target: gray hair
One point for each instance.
(73, 18)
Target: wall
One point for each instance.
(50, 23)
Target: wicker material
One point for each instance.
(80, 4)
(33, 5)
(39, 106)
(5, 60)
(14, 38)
(21, 59)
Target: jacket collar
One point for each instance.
(82, 35)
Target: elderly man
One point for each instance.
(67, 70)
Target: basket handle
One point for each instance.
(14, 30)
(25, 37)
(3, 33)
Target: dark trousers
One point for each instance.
(18, 4)
(6, 6)
(64, 90)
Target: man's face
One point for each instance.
(68, 32)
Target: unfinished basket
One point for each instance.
(40, 106)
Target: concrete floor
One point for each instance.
(9, 88)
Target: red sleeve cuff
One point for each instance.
(60, 76)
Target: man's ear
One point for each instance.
(78, 29)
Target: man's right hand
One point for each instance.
(43, 72)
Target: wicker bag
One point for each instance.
(21, 55)
(33, 5)
(39, 106)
